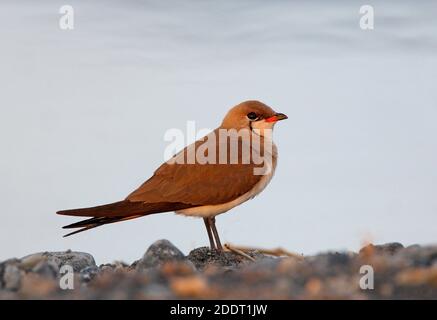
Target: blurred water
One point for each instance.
(83, 115)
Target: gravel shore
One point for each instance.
(388, 271)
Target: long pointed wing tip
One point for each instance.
(74, 232)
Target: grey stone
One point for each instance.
(387, 248)
(330, 263)
(47, 269)
(420, 256)
(77, 260)
(89, 273)
(204, 256)
(106, 268)
(158, 253)
(11, 277)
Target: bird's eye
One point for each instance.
(252, 116)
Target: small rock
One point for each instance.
(29, 262)
(159, 252)
(330, 263)
(120, 265)
(46, 268)
(204, 256)
(419, 256)
(11, 277)
(3, 266)
(106, 268)
(387, 248)
(77, 260)
(89, 273)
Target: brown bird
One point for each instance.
(197, 188)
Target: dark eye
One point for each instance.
(252, 116)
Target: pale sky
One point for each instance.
(84, 113)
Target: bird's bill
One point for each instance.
(277, 117)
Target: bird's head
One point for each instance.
(251, 115)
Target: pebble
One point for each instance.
(158, 253)
(77, 260)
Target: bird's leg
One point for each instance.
(216, 236)
(208, 229)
